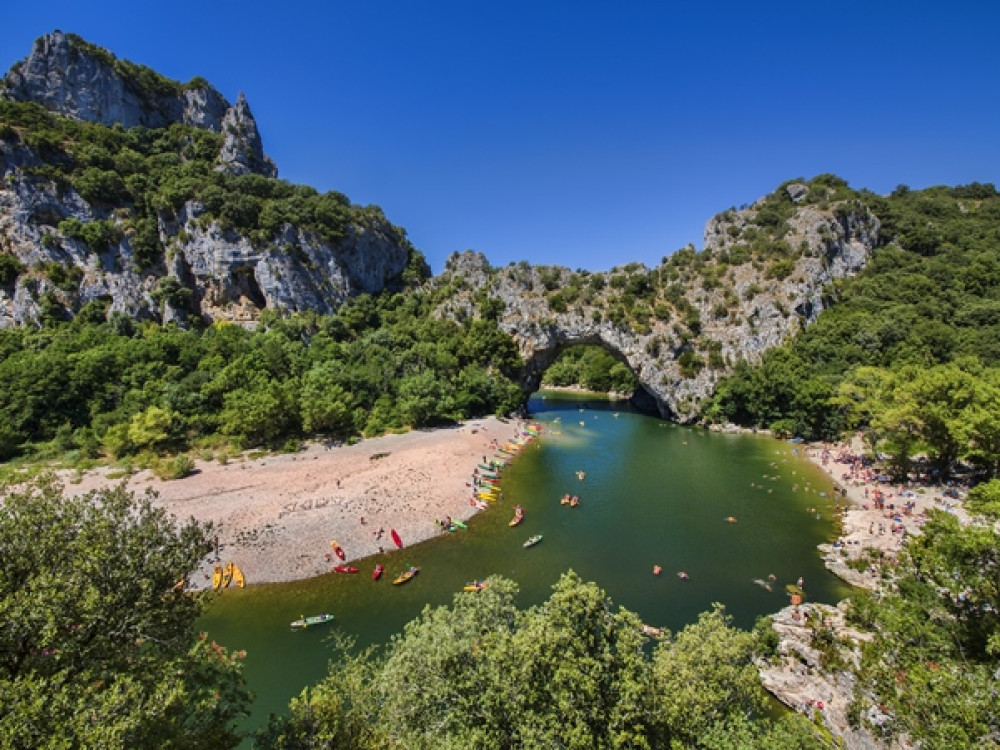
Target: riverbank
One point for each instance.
(876, 514)
(876, 517)
(276, 515)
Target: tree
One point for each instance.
(932, 664)
(705, 676)
(568, 673)
(97, 647)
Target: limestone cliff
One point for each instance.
(682, 326)
(135, 220)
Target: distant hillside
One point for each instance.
(127, 192)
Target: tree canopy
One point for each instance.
(97, 644)
(572, 672)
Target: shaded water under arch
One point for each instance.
(654, 494)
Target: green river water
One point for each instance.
(654, 493)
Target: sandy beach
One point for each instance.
(276, 515)
(876, 514)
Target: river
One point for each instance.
(653, 493)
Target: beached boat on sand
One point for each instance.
(345, 569)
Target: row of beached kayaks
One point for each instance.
(222, 577)
(488, 476)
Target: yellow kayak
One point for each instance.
(227, 574)
(406, 575)
(217, 577)
(238, 578)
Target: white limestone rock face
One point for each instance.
(67, 76)
(751, 312)
(206, 272)
(242, 151)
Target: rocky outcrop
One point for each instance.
(242, 151)
(207, 270)
(680, 327)
(76, 79)
(815, 676)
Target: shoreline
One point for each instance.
(275, 516)
(877, 515)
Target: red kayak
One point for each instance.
(345, 569)
(395, 538)
(338, 550)
(377, 573)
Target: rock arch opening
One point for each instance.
(591, 364)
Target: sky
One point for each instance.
(583, 134)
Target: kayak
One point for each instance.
(533, 541)
(475, 585)
(338, 550)
(345, 569)
(405, 575)
(460, 524)
(217, 577)
(516, 520)
(305, 622)
(377, 573)
(238, 578)
(395, 538)
(227, 574)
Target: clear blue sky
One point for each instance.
(578, 133)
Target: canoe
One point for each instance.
(460, 524)
(405, 575)
(533, 541)
(305, 622)
(377, 573)
(338, 550)
(475, 585)
(518, 517)
(217, 577)
(395, 538)
(238, 577)
(227, 574)
(345, 569)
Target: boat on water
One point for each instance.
(477, 585)
(345, 569)
(305, 622)
(406, 575)
(518, 516)
(532, 541)
(377, 573)
(338, 550)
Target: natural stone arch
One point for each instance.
(541, 359)
(680, 354)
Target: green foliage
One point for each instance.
(593, 368)
(380, 363)
(10, 269)
(985, 499)
(97, 648)
(570, 672)
(927, 297)
(932, 663)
